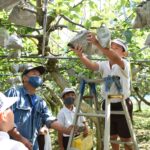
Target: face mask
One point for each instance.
(35, 81)
(69, 101)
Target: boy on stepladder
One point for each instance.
(116, 65)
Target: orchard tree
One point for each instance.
(47, 26)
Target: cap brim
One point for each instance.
(9, 101)
(68, 91)
(119, 43)
(41, 70)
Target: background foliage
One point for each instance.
(64, 19)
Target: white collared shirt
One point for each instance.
(8, 144)
(116, 70)
(66, 116)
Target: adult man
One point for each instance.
(7, 123)
(31, 112)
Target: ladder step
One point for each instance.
(111, 96)
(101, 114)
(88, 97)
(118, 112)
(120, 142)
(115, 112)
(91, 114)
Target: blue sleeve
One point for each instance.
(47, 116)
(12, 92)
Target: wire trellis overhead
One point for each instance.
(73, 58)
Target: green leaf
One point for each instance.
(92, 4)
(87, 24)
(76, 9)
(71, 26)
(96, 18)
(128, 35)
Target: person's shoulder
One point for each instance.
(62, 110)
(39, 98)
(16, 88)
(12, 144)
(126, 61)
(13, 91)
(19, 145)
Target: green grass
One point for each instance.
(142, 129)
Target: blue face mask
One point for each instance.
(69, 101)
(35, 81)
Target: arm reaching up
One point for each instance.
(113, 54)
(87, 62)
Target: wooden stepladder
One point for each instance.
(106, 115)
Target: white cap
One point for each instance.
(6, 102)
(121, 43)
(67, 90)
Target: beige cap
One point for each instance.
(121, 43)
(6, 102)
(67, 90)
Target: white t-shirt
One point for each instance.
(7, 144)
(116, 70)
(66, 116)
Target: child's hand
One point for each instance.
(43, 131)
(85, 132)
(68, 130)
(78, 50)
(91, 38)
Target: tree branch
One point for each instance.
(55, 27)
(69, 20)
(28, 9)
(39, 12)
(78, 4)
(30, 36)
(142, 98)
(58, 20)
